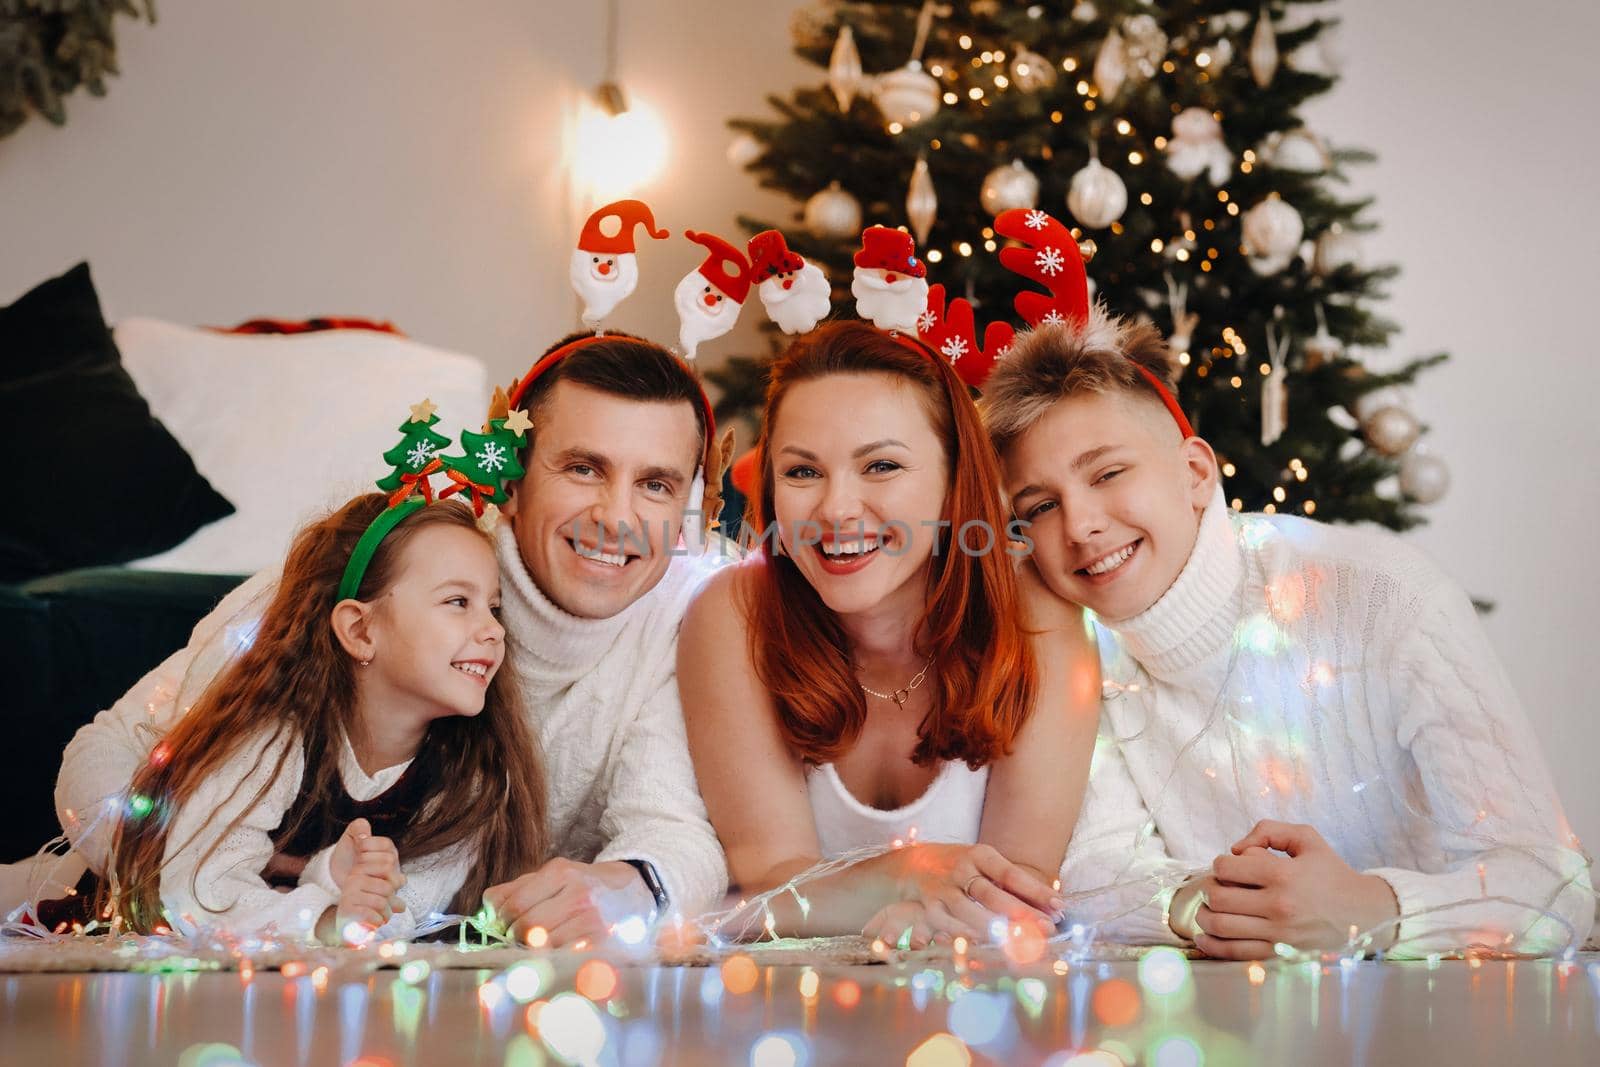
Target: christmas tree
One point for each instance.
(416, 448)
(1170, 136)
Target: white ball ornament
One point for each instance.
(1097, 196)
(833, 213)
(1335, 248)
(906, 96)
(1272, 231)
(1424, 478)
(1298, 150)
(1391, 430)
(744, 150)
(1007, 187)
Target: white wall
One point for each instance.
(396, 160)
(1482, 118)
(401, 160)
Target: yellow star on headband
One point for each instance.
(424, 411)
(518, 422)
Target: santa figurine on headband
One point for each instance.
(794, 292)
(890, 283)
(709, 297)
(604, 268)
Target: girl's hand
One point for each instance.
(964, 888)
(366, 869)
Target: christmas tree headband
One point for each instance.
(487, 462)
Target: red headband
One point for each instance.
(520, 388)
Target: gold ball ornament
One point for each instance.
(1031, 72)
(833, 213)
(1097, 196)
(1391, 430)
(906, 96)
(1010, 186)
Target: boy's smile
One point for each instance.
(1112, 497)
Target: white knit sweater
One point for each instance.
(602, 693)
(220, 842)
(1331, 676)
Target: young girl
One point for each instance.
(361, 766)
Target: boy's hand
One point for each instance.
(1309, 898)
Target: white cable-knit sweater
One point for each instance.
(602, 693)
(1336, 677)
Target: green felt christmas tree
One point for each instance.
(1169, 134)
(419, 442)
(488, 460)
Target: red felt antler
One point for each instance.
(950, 332)
(1051, 259)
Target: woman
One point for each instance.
(885, 669)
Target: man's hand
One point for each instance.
(1309, 898)
(570, 901)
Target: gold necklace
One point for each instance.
(900, 696)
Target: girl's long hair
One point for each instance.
(984, 672)
(295, 682)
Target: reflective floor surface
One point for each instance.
(1164, 1011)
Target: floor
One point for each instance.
(1164, 1011)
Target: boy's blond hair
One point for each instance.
(1053, 362)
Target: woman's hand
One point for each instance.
(962, 889)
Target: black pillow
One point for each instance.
(94, 477)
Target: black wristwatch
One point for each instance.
(652, 882)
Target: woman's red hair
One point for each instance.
(984, 675)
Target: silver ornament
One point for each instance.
(1007, 187)
(1097, 196)
(1111, 65)
(1032, 72)
(1221, 53)
(744, 150)
(906, 96)
(1424, 478)
(1085, 11)
(1263, 50)
(833, 213)
(844, 69)
(922, 204)
(1391, 430)
(1336, 248)
(1272, 231)
(1145, 46)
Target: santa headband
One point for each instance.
(487, 462)
(1045, 253)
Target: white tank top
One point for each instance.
(949, 812)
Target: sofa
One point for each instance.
(166, 462)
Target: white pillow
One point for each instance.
(287, 426)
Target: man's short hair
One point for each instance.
(621, 365)
(1056, 361)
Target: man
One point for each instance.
(593, 592)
